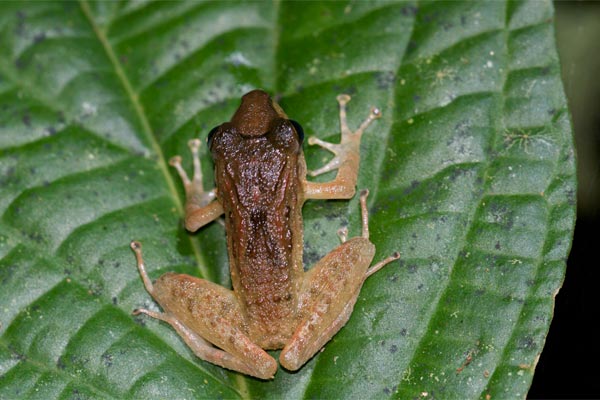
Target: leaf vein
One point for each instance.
(147, 129)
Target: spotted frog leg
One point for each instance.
(330, 290)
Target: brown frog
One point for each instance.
(260, 175)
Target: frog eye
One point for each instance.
(299, 130)
(211, 134)
(285, 135)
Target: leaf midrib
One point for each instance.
(146, 128)
(155, 146)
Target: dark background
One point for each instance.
(569, 366)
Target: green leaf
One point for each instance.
(471, 173)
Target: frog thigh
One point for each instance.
(330, 290)
(212, 313)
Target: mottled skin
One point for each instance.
(261, 187)
(263, 213)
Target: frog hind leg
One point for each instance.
(201, 348)
(330, 290)
(206, 315)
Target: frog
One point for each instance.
(261, 186)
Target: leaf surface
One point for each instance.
(471, 173)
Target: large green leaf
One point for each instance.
(471, 172)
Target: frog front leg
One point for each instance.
(200, 206)
(329, 291)
(206, 314)
(346, 158)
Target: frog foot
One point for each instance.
(349, 145)
(194, 188)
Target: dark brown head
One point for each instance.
(255, 151)
(258, 115)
